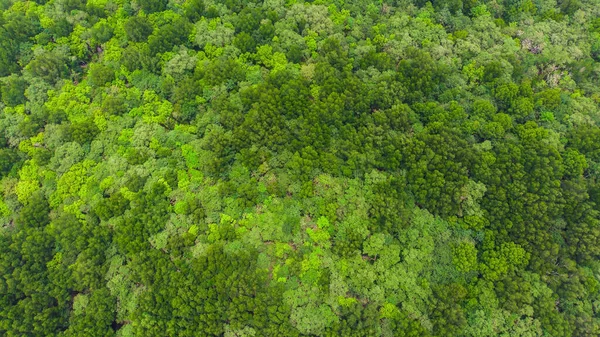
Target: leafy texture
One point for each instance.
(299, 168)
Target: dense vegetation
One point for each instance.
(288, 168)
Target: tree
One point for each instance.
(152, 6)
(169, 35)
(13, 90)
(49, 66)
(100, 74)
(138, 28)
(194, 10)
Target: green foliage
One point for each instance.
(152, 6)
(49, 66)
(12, 90)
(138, 28)
(169, 35)
(100, 75)
(84, 131)
(35, 212)
(465, 256)
(283, 168)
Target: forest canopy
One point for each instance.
(299, 168)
